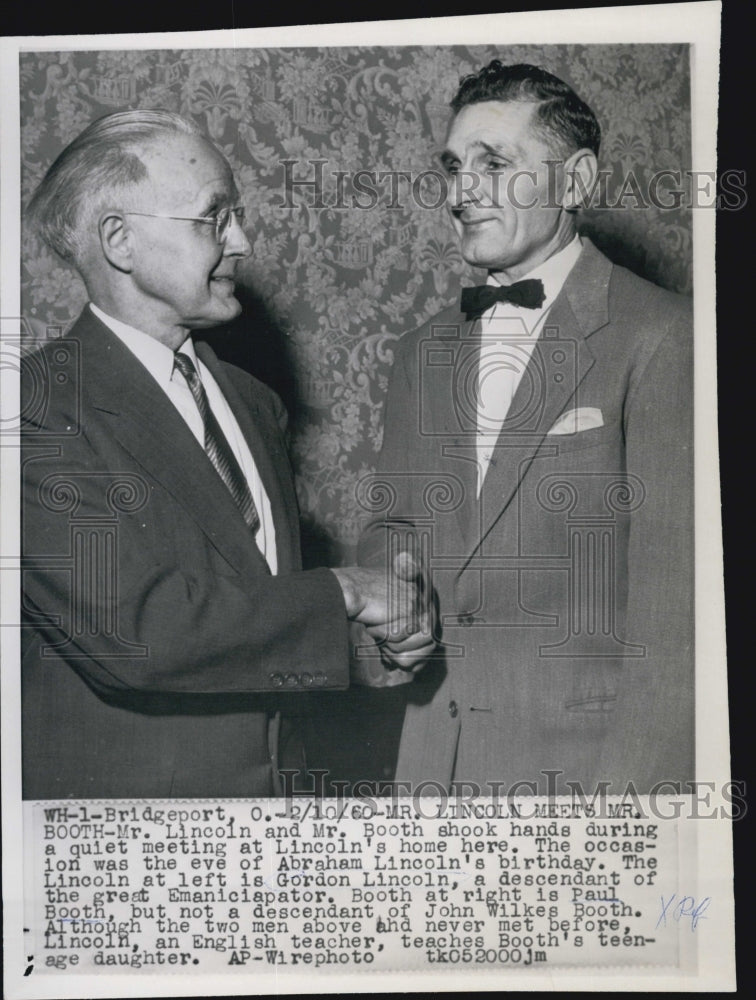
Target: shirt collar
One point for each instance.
(552, 272)
(156, 357)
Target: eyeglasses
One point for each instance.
(221, 220)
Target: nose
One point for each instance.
(462, 187)
(236, 243)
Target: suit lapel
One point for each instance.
(558, 365)
(147, 425)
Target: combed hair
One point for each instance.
(101, 162)
(560, 113)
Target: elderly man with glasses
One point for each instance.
(166, 608)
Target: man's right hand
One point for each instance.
(393, 607)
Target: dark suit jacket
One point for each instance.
(155, 633)
(567, 588)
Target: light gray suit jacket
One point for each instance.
(566, 588)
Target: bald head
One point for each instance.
(106, 163)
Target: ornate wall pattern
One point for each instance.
(329, 288)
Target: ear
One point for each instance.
(116, 240)
(580, 173)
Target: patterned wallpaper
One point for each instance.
(330, 286)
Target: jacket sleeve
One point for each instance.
(392, 487)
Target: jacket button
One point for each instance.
(292, 680)
(276, 680)
(320, 678)
(453, 709)
(306, 679)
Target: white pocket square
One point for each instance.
(582, 419)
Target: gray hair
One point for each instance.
(101, 162)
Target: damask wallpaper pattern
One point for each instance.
(331, 285)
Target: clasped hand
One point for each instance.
(395, 608)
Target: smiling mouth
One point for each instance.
(472, 221)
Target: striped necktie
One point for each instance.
(217, 447)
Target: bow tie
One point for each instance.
(528, 294)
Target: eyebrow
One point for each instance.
(218, 199)
(506, 152)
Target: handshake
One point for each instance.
(395, 607)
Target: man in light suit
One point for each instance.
(165, 605)
(538, 438)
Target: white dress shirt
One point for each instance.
(508, 337)
(158, 360)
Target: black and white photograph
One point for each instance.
(363, 615)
